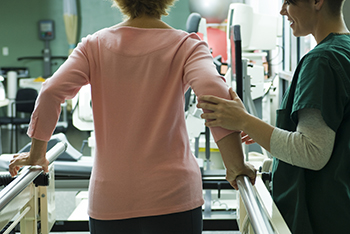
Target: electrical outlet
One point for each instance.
(5, 51)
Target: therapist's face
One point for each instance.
(300, 15)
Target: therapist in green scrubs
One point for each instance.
(311, 140)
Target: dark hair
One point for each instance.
(335, 6)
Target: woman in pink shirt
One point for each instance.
(145, 178)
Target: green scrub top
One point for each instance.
(318, 201)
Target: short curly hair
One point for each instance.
(136, 8)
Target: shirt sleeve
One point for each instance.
(64, 84)
(310, 146)
(201, 74)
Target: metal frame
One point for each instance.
(257, 205)
(21, 199)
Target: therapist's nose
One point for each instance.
(284, 8)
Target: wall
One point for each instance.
(19, 27)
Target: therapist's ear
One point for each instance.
(318, 4)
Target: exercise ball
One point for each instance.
(214, 11)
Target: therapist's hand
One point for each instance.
(24, 159)
(228, 114)
(247, 170)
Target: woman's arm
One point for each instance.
(36, 156)
(200, 73)
(64, 84)
(232, 155)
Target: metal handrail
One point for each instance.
(257, 216)
(27, 176)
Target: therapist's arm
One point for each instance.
(36, 156)
(232, 115)
(259, 131)
(232, 155)
(310, 146)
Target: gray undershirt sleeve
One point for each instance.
(310, 146)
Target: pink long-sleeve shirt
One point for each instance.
(143, 164)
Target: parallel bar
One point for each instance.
(257, 216)
(27, 176)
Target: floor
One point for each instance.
(204, 232)
(65, 200)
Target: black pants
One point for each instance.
(188, 222)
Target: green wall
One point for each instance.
(19, 27)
